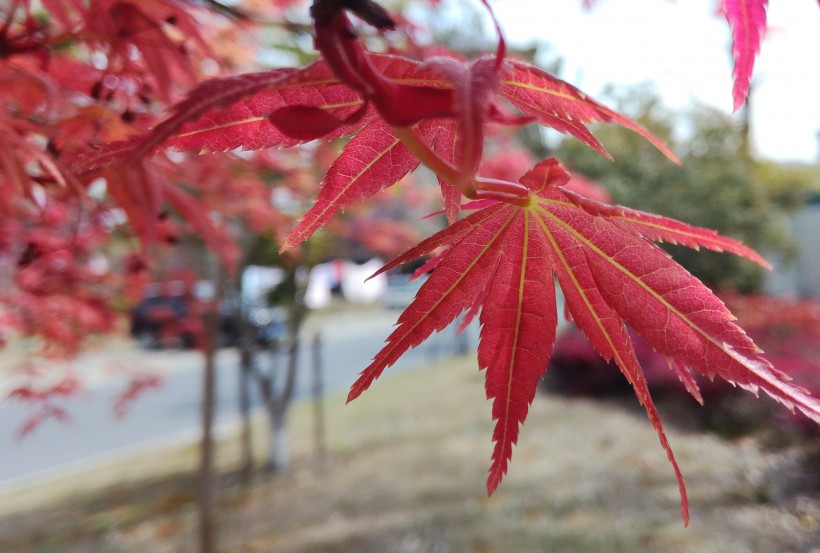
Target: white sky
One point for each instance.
(682, 47)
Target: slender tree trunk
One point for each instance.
(206, 466)
(319, 442)
(278, 447)
(267, 380)
(279, 404)
(277, 395)
(245, 369)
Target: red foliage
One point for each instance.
(59, 284)
(501, 261)
(75, 75)
(42, 399)
(787, 330)
(747, 18)
(138, 385)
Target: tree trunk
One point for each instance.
(245, 371)
(278, 450)
(278, 396)
(279, 404)
(319, 441)
(206, 468)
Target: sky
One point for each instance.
(683, 48)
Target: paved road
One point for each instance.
(171, 414)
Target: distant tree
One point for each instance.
(719, 185)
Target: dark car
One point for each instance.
(172, 315)
(164, 317)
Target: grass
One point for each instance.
(405, 473)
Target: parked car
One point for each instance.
(172, 315)
(164, 317)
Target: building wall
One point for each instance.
(801, 278)
(806, 231)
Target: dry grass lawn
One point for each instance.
(405, 473)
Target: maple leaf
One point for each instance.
(400, 104)
(561, 106)
(254, 111)
(372, 160)
(747, 19)
(502, 261)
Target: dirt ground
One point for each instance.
(405, 471)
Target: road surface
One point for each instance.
(171, 414)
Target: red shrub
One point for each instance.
(787, 330)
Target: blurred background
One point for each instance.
(206, 411)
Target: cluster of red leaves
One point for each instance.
(43, 396)
(55, 105)
(787, 330)
(137, 386)
(501, 260)
(60, 285)
(44, 402)
(74, 75)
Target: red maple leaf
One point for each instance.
(502, 260)
(747, 19)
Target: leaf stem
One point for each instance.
(474, 188)
(506, 187)
(428, 157)
(503, 197)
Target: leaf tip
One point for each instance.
(673, 157)
(739, 96)
(493, 480)
(362, 383)
(293, 239)
(355, 391)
